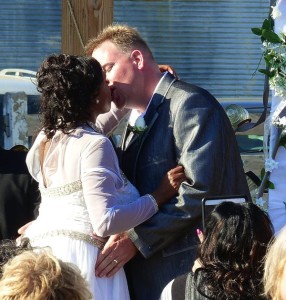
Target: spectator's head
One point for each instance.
(275, 268)
(39, 275)
(73, 91)
(234, 245)
(10, 248)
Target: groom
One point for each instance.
(184, 125)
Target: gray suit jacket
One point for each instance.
(186, 126)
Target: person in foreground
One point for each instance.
(180, 124)
(10, 248)
(40, 275)
(275, 268)
(84, 193)
(229, 263)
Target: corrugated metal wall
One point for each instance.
(209, 43)
(29, 31)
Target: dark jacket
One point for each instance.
(184, 287)
(19, 193)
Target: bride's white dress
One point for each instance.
(86, 193)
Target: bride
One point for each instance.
(85, 196)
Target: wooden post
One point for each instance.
(82, 20)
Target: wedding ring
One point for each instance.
(116, 262)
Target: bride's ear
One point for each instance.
(94, 98)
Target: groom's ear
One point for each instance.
(137, 58)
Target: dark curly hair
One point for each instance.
(10, 248)
(67, 84)
(232, 252)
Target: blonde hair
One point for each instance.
(40, 275)
(275, 262)
(124, 37)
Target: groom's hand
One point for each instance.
(117, 251)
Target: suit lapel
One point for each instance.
(130, 138)
(158, 98)
(125, 135)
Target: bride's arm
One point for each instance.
(102, 181)
(109, 121)
(103, 188)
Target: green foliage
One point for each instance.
(257, 31)
(269, 184)
(283, 141)
(268, 24)
(274, 49)
(274, 54)
(271, 36)
(266, 32)
(267, 72)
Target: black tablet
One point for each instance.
(209, 203)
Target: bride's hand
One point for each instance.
(22, 230)
(169, 185)
(170, 69)
(200, 235)
(197, 265)
(118, 250)
(176, 176)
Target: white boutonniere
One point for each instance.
(139, 126)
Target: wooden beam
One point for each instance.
(82, 20)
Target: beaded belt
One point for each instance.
(62, 190)
(72, 234)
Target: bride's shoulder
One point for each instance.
(94, 139)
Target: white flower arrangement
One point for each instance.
(260, 202)
(280, 122)
(275, 12)
(139, 126)
(274, 54)
(270, 165)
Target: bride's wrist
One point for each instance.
(155, 203)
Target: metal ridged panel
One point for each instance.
(30, 30)
(209, 43)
